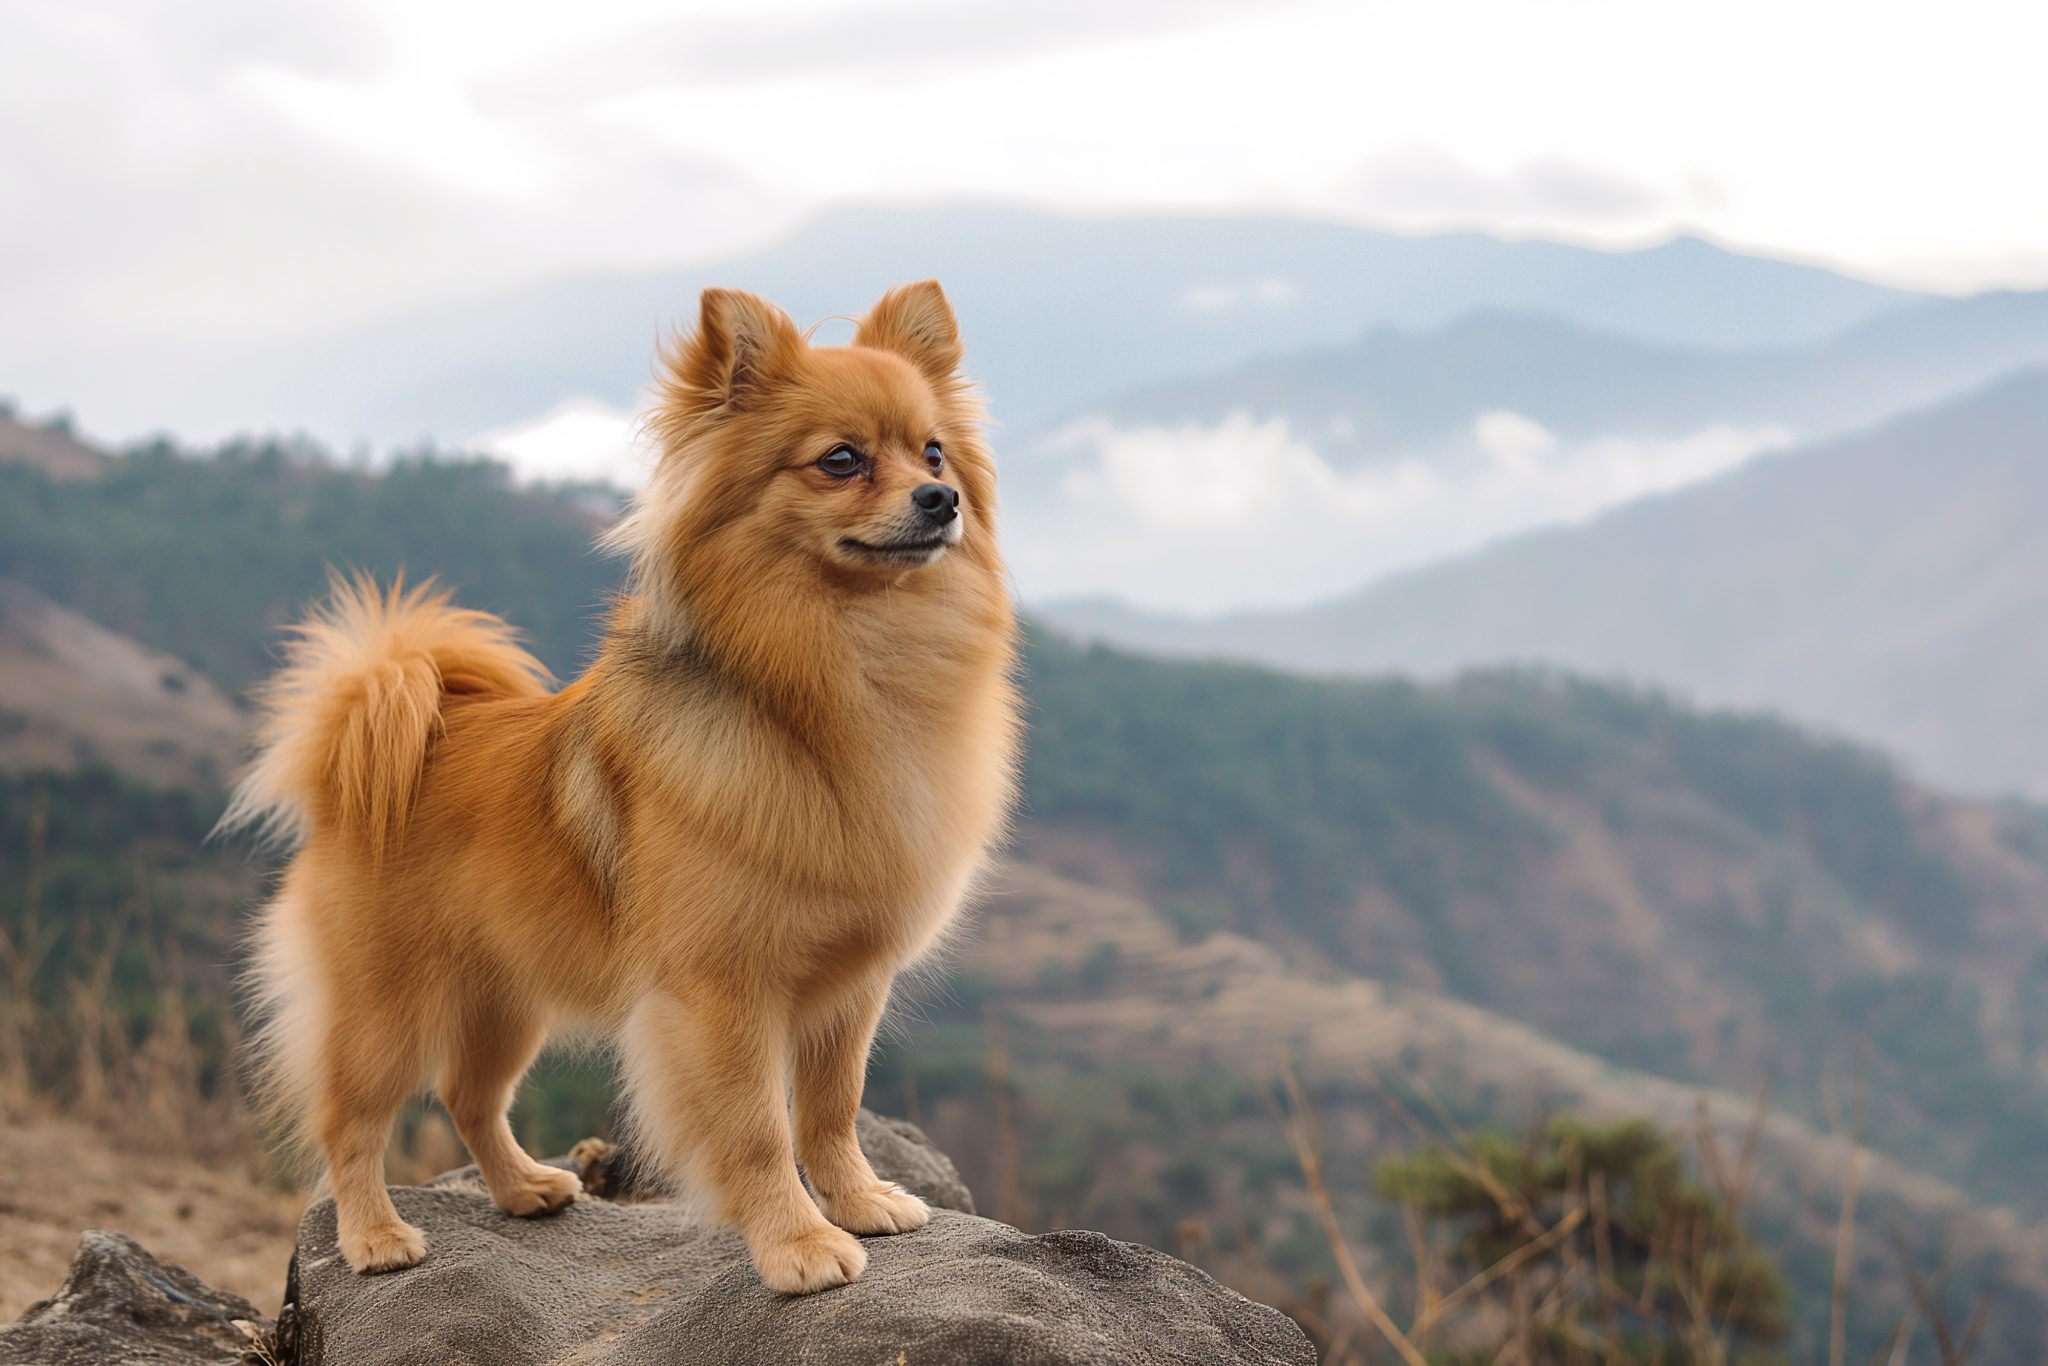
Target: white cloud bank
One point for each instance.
(1267, 291)
(1246, 513)
(579, 440)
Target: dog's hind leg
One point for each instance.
(492, 1050)
(370, 1062)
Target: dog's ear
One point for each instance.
(741, 344)
(917, 323)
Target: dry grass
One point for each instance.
(102, 1126)
(1308, 1149)
(107, 1124)
(150, 1085)
(118, 1110)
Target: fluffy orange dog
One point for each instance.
(769, 793)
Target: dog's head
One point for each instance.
(865, 461)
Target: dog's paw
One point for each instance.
(884, 1207)
(816, 1259)
(539, 1189)
(384, 1247)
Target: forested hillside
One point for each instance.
(207, 559)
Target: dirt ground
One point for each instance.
(59, 1178)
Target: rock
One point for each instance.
(119, 1304)
(633, 1285)
(611, 1284)
(898, 1150)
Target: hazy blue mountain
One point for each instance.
(1406, 447)
(1057, 310)
(1892, 584)
(1394, 391)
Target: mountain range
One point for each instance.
(1394, 391)
(1410, 401)
(1891, 583)
(1057, 311)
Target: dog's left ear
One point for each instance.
(917, 323)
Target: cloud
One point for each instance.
(1514, 445)
(1423, 186)
(1246, 512)
(876, 41)
(580, 440)
(204, 195)
(1267, 291)
(428, 129)
(190, 187)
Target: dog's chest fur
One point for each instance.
(855, 836)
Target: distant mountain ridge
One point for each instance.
(1395, 391)
(1892, 583)
(1055, 310)
(1371, 347)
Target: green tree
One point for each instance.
(1584, 1243)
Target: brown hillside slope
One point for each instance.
(51, 449)
(1222, 1003)
(69, 687)
(1263, 1008)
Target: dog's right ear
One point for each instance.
(742, 343)
(917, 323)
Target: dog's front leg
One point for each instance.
(831, 1069)
(709, 1072)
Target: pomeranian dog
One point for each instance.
(770, 793)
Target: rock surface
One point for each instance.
(630, 1285)
(609, 1283)
(897, 1150)
(119, 1304)
(635, 1284)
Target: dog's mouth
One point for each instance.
(912, 550)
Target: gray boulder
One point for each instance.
(899, 1152)
(634, 1284)
(627, 1281)
(119, 1304)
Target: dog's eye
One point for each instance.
(934, 458)
(841, 462)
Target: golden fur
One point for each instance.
(769, 794)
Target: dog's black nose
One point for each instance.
(938, 502)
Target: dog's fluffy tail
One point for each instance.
(348, 719)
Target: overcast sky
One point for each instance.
(221, 173)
